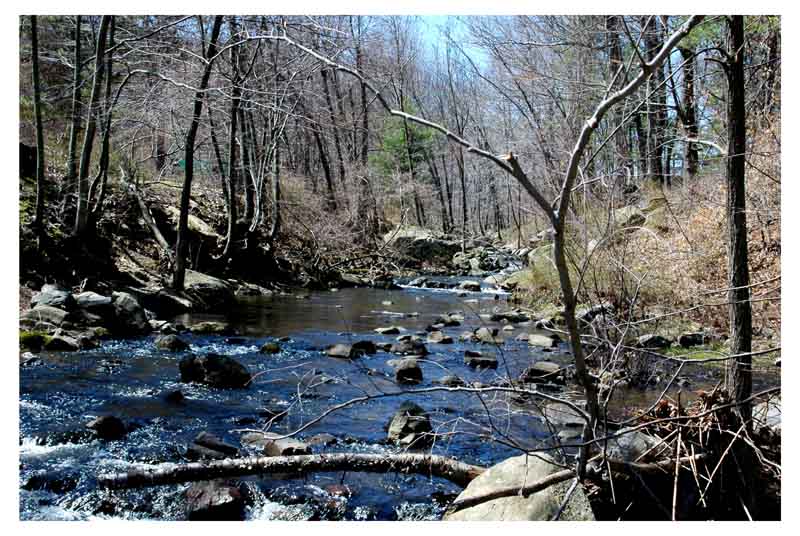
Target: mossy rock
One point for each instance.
(33, 340)
(271, 348)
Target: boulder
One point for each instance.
(542, 372)
(214, 501)
(171, 343)
(540, 506)
(270, 348)
(129, 315)
(636, 446)
(164, 302)
(653, 341)
(43, 317)
(422, 244)
(389, 330)
(514, 317)
(543, 341)
(343, 351)
(478, 360)
(410, 426)
(54, 296)
(365, 347)
(488, 335)
(688, 340)
(587, 314)
(210, 328)
(406, 371)
(437, 337)
(409, 347)
(450, 380)
(270, 445)
(449, 320)
(207, 291)
(54, 481)
(108, 427)
(212, 442)
(418, 282)
(92, 301)
(471, 286)
(214, 370)
(62, 343)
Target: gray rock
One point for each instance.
(62, 343)
(171, 343)
(543, 341)
(270, 445)
(488, 335)
(636, 446)
(472, 286)
(450, 380)
(210, 441)
(129, 315)
(54, 296)
(93, 301)
(43, 317)
(214, 370)
(410, 426)
(342, 351)
(478, 360)
(214, 501)
(207, 291)
(407, 371)
(539, 506)
(542, 372)
(323, 440)
(437, 337)
(210, 328)
(409, 347)
(389, 330)
(449, 320)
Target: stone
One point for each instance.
(273, 445)
(54, 481)
(540, 506)
(390, 330)
(270, 348)
(636, 446)
(323, 440)
(653, 341)
(418, 282)
(471, 286)
(214, 370)
(108, 427)
(365, 347)
(214, 501)
(409, 347)
(479, 361)
(437, 337)
(174, 397)
(687, 340)
(43, 317)
(449, 320)
(488, 335)
(450, 380)
(210, 328)
(543, 341)
(342, 351)
(208, 292)
(93, 301)
(422, 244)
(61, 343)
(129, 315)
(407, 371)
(54, 296)
(543, 371)
(171, 343)
(410, 426)
(210, 441)
(515, 317)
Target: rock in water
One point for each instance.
(214, 370)
(488, 336)
(543, 371)
(543, 341)
(214, 501)
(477, 360)
(409, 347)
(129, 316)
(410, 426)
(407, 371)
(210, 328)
(389, 330)
(472, 286)
(271, 348)
(61, 343)
(437, 337)
(271, 446)
(108, 427)
(540, 506)
(172, 343)
(207, 291)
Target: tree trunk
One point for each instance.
(82, 216)
(334, 125)
(739, 375)
(181, 245)
(37, 113)
(231, 237)
(457, 472)
(105, 146)
(689, 109)
(72, 159)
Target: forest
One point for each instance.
(353, 267)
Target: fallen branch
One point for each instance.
(427, 464)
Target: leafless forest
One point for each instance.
(301, 267)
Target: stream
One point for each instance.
(130, 378)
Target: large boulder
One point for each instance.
(43, 317)
(214, 501)
(129, 316)
(410, 426)
(422, 244)
(62, 343)
(540, 506)
(54, 296)
(635, 446)
(164, 302)
(214, 370)
(542, 341)
(208, 292)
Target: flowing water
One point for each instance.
(129, 379)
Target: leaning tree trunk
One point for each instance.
(181, 245)
(37, 113)
(82, 216)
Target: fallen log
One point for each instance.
(426, 464)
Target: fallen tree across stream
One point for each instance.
(426, 464)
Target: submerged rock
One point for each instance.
(540, 506)
(214, 370)
(56, 481)
(214, 501)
